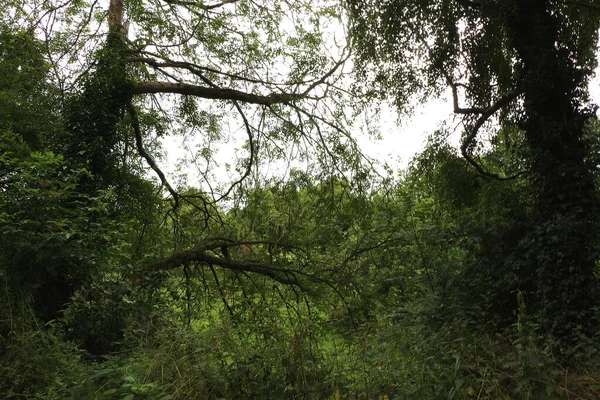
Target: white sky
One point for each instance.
(400, 140)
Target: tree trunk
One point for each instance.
(115, 15)
(563, 246)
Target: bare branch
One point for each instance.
(472, 133)
(328, 74)
(135, 123)
(252, 151)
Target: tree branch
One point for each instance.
(200, 254)
(252, 152)
(199, 4)
(472, 133)
(214, 93)
(199, 69)
(469, 3)
(327, 75)
(485, 114)
(135, 123)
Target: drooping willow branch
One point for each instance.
(250, 139)
(135, 123)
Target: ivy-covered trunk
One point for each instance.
(563, 244)
(91, 141)
(96, 113)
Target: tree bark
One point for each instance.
(563, 246)
(213, 93)
(115, 15)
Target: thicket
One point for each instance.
(330, 284)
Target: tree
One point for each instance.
(520, 65)
(136, 71)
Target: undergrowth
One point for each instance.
(401, 356)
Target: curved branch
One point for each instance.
(322, 80)
(135, 123)
(485, 114)
(214, 93)
(472, 134)
(246, 125)
(469, 3)
(200, 255)
(198, 4)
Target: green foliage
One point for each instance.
(98, 315)
(26, 99)
(35, 361)
(94, 115)
(331, 283)
(517, 70)
(52, 237)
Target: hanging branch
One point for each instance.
(188, 295)
(135, 123)
(252, 152)
(472, 133)
(221, 293)
(246, 125)
(484, 115)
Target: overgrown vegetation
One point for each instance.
(471, 274)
